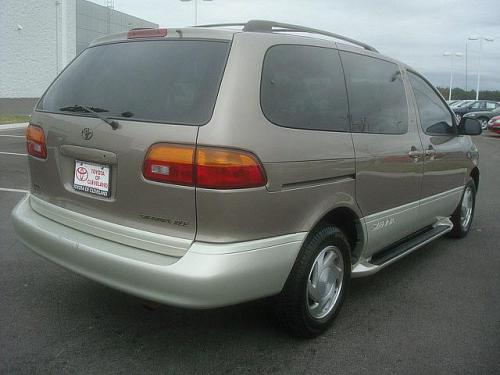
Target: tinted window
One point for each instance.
(166, 81)
(303, 87)
(376, 95)
(434, 116)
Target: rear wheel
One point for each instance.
(463, 215)
(317, 285)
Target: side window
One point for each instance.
(490, 105)
(303, 87)
(476, 105)
(434, 116)
(377, 96)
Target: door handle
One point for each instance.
(414, 153)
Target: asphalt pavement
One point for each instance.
(435, 311)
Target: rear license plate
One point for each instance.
(92, 178)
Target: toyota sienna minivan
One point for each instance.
(208, 166)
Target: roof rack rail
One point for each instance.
(271, 26)
(222, 25)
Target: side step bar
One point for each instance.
(399, 250)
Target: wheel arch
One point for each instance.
(350, 223)
(474, 174)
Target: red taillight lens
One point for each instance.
(227, 169)
(170, 163)
(146, 33)
(205, 167)
(35, 141)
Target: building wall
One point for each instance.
(94, 21)
(50, 34)
(31, 48)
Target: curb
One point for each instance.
(13, 126)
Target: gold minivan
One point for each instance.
(208, 166)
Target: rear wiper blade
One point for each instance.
(95, 111)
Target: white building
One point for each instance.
(39, 37)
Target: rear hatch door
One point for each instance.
(159, 91)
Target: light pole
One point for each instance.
(480, 38)
(195, 9)
(451, 55)
(466, 63)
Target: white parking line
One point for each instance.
(12, 136)
(15, 190)
(12, 153)
(20, 125)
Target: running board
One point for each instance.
(399, 250)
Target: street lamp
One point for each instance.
(451, 55)
(480, 38)
(195, 9)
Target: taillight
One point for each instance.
(205, 167)
(146, 33)
(170, 163)
(227, 169)
(35, 141)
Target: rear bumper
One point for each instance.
(208, 275)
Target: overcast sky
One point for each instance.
(416, 32)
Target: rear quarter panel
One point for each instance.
(308, 172)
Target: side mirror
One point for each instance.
(469, 126)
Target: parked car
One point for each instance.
(460, 103)
(484, 116)
(475, 106)
(203, 167)
(494, 124)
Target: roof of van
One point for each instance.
(186, 32)
(227, 31)
(221, 31)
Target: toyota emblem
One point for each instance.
(87, 133)
(82, 174)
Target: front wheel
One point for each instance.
(317, 285)
(463, 215)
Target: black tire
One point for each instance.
(291, 306)
(459, 231)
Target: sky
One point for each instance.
(416, 32)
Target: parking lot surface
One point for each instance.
(435, 311)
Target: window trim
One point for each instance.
(443, 101)
(348, 121)
(401, 71)
(223, 71)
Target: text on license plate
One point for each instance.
(91, 178)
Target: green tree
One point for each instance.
(460, 94)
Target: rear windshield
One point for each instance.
(169, 81)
